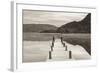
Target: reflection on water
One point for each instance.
(38, 51)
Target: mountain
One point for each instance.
(83, 26)
(38, 27)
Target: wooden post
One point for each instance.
(51, 48)
(61, 39)
(50, 55)
(53, 39)
(65, 48)
(64, 44)
(70, 54)
(52, 44)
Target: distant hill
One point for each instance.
(83, 26)
(49, 31)
(38, 27)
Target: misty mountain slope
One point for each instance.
(38, 27)
(83, 26)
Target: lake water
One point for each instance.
(36, 47)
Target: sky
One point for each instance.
(54, 18)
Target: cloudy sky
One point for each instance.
(53, 18)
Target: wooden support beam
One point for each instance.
(51, 48)
(70, 54)
(65, 48)
(50, 55)
(64, 44)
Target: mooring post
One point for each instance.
(61, 39)
(50, 55)
(64, 44)
(52, 44)
(51, 48)
(70, 54)
(53, 39)
(65, 48)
